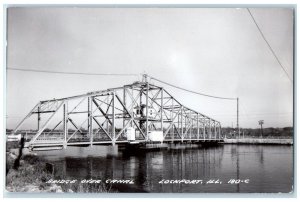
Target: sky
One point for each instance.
(217, 51)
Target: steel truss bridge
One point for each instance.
(103, 117)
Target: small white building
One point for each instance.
(130, 133)
(156, 136)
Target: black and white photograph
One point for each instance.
(149, 99)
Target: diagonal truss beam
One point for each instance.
(118, 98)
(45, 125)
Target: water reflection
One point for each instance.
(269, 168)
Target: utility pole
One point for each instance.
(237, 117)
(145, 78)
(39, 118)
(147, 107)
(261, 122)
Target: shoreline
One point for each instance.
(32, 176)
(259, 141)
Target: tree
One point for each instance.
(261, 122)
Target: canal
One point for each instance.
(218, 169)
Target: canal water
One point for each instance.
(218, 169)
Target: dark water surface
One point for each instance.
(266, 168)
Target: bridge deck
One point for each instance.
(51, 143)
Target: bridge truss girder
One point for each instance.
(105, 115)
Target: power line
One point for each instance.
(190, 91)
(111, 74)
(271, 49)
(76, 73)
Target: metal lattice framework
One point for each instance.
(102, 117)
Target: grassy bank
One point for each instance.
(31, 176)
(33, 173)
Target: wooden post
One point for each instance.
(107, 122)
(161, 110)
(147, 103)
(113, 119)
(198, 126)
(65, 123)
(215, 130)
(191, 128)
(90, 122)
(181, 124)
(124, 108)
(172, 119)
(219, 131)
(237, 117)
(204, 129)
(88, 118)
(39, 118)
(209, 132)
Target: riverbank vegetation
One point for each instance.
(31, 175)
(268, 133)
(34, 172)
